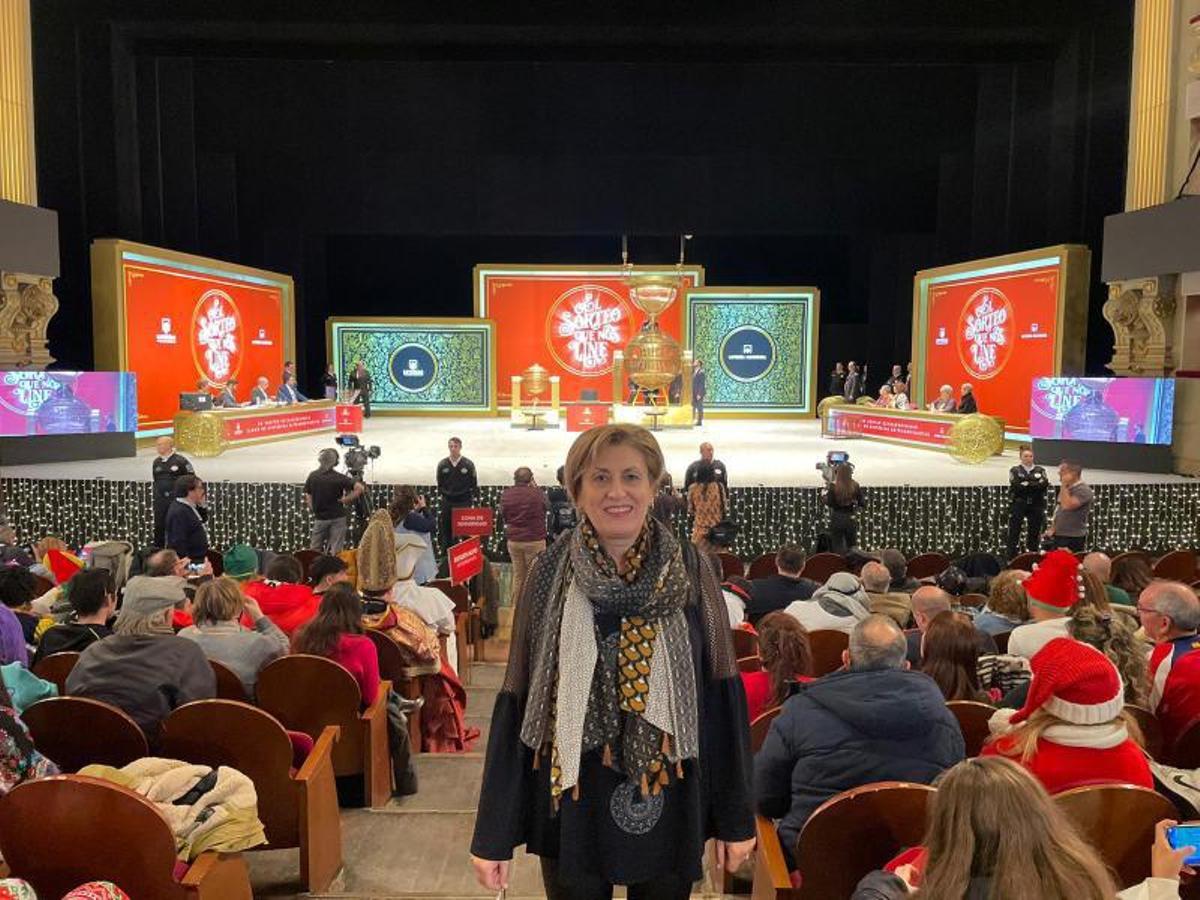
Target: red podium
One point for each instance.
(349, 418)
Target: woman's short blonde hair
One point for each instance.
(1007, 597)
(219, 600)
(588, 445)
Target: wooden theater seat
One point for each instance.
(308, 693)
(58, 833)
(1185, 752)
(466, 625)
(858, 831)
(772, 880)
(827, 646)
(973, 720)
(305, 558)
(229, 686)
(407, 680)
(75, 732)
(762, 567)
(745, 643)
(1178, 565)
(761, 725)
(1024, 561)
(927, 565)
(820, 566)
(1118, 820)
(42, 585)
(56, 667)
(297, 809)
(730, 565)
(1147, 723)
(217, 561)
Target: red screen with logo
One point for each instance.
(182, 325)
(996, 332)
(569, 323)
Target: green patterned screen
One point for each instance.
(419, 367)
(758, 348)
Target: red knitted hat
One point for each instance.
(1056, 583)
(1074, 682)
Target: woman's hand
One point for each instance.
(1165, 860)
(491, 874)
(731, 854)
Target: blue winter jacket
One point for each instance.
(849, 729)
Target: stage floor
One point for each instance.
(756, 452)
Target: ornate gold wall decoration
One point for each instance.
(1141, 314)
(27, 304)
(18, 170)
(976, 438)
(1155, 26)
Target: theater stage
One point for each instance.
(758, 453)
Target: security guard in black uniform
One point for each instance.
(168, 467)
(1027, 487)
(458, 485)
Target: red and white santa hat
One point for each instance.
(1056, 583)
(1074, 682)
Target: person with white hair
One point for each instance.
(260, 394)
(945, 401)
(966, 401)
(1170, 614)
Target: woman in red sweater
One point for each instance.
(1072, 730)
(786, 658)
(336, 632)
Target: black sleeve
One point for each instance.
(773, 766)
(347, 482)
(418, 521)
(730, 765)
(308, 485)
(187, 466)
(502, 822)
(880, 885)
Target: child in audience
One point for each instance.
(786, 658)
(336, 632)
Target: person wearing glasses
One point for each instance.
(1170, 614)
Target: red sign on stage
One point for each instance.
(583, 416)
(273, 422)
(349, 418)
(863, 422)
(471, 520)
(466, 560)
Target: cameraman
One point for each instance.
(844, 498)
(328, 493)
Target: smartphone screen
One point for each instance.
(1185, 835)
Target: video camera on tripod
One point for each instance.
(356, 456)
(834, 459)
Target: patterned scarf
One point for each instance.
(632, 693)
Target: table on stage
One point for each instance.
(212, 432)
(912, 427)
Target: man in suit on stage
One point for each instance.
(289, 393)
(260, 396)
(966, 402)
(699, 387)
(360, 382)
(227, 399)
(852, 390)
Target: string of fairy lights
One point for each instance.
(952, 520)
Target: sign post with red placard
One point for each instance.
(472, 521)
(466, 560)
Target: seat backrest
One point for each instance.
(229, 686)
(305, 558)
(827, 646)
(41, 584)
(730, 565)
(745, 643)
(750, 663)
(1178, 565)
(58, 833)
(1135, 554)
(1098, 808)
(761, 725)
(973, 721)
(820, 566)
(857, 832)
(926, 565)
(1185, 752)
(56, 667)
(762, 567)
(75, 732)
(393, 666)
(1024, 561)
(217, 561)
(1152, 736)
(975, 601)
(244, 737)
(456, 592)
(306, 693)
(1001, 640)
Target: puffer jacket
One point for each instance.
(849, 729)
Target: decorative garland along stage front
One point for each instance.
(955, 520)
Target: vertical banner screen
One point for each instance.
(570, 320)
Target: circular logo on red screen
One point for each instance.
(217, 337)
(586, 326)
(986, 333)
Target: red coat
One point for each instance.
(1175, 686)
(1060, 768)
(287, 605)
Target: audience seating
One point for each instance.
(56, 667)
(975, 601)
(466, 625)
(750, 663)
(1025, 561)
(761, 725)
(1002, 641)
(730, 565)
(927, 565)
(297, 809)
(217, 561)
(307, 693)
(1147, 723)
(762, 567)
(973, 720)
(58, 833)
(858, 831)
(772, 880)
(229, 686)
(41, 585)
(305, 558)
(75, 732)
(827, 647)
(1185, 752)
(820, 566)
(745, 643)
(405, 679)
(1178, 565)
(1118, 820)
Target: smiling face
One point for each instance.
(615, 493)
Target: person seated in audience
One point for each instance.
(41, 553)
(767, 595)
(281, 595)
(993, 831)
(218, 606)
(1072, 729)
(876, 580)
(1170, 614)
(1007, 606)
(897, 567)
(786, 661)
(93, 599)
(144, 667)
(20, 760)
(336, 632)
(11, 552)
(885, 400)
(945, 400)
(62, 566)
(950, 656)
(837, 605)
(325, 571)
(1131, 574)
(1054, 586)
(1101, 566)
(168, 562)
(17, 589)
(736, 591)
(411, 516)
(875, 720)
(928, 601)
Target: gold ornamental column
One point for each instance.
(18, 170)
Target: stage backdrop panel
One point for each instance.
(759, 347)
(569, 319)
(54, 402)
(419, 365)
(999, 323)
(172, 318)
